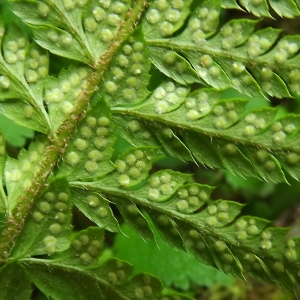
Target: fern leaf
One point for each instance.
(128, 77)
(96, 208)
(136, 163)
(164, 18)
(90, 279)
(134, 132)
(160, 136)
(287, 9)
(212, 231)
(23, 68)
(24, 114)
(61, 94)
(105, 93)
(166, 262)
(71, 31)
(230, 4)
(20, 173)
(14, 283)
(226, 59)
(134, 218)
(48, 225)
(180, 70)
(220, 133)
(89, 153)
(173, 145)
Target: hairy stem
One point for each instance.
(58, 142)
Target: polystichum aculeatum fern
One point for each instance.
(102, 93)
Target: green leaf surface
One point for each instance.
(23, 119)
(89, 279)
(14, 284)
(61, 94)
(23, 68)
(225, 59)
(19, 173)
(76, 284)
(134, 132)
(286, 8)
(138, 134)
(88, 156)
(111, 87)
(135, 219)
(48, 226)
(164, 18)
(59, 42)
(131, 167)
(211, 230)
(219, 132)
(68, 30)
(128, 77)
(173, 65)
(230, 4)
(96, 208)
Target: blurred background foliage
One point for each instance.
(178, 270)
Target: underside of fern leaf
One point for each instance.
(105, 91)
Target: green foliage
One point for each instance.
(13, 133)
(288, 9)
(157, 78)
(21, 289)
(174, 267)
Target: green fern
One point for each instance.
(104, 92)
(288, 9)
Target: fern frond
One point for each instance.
(96, 208)
(253, 62)
(220, 133)
(184, 213)
(19, 173)
(89, 279)
(215, 235)
(174, 66)
(139, 134)
(104, 92)
(212, 231)
(23, 68)
(260, 8)
(134, 218)
(61, 94)
(163, 18)
(14, 273)
(68, 30)
(48, 226)
(72, 113)
(128, 77)
(94, 138)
